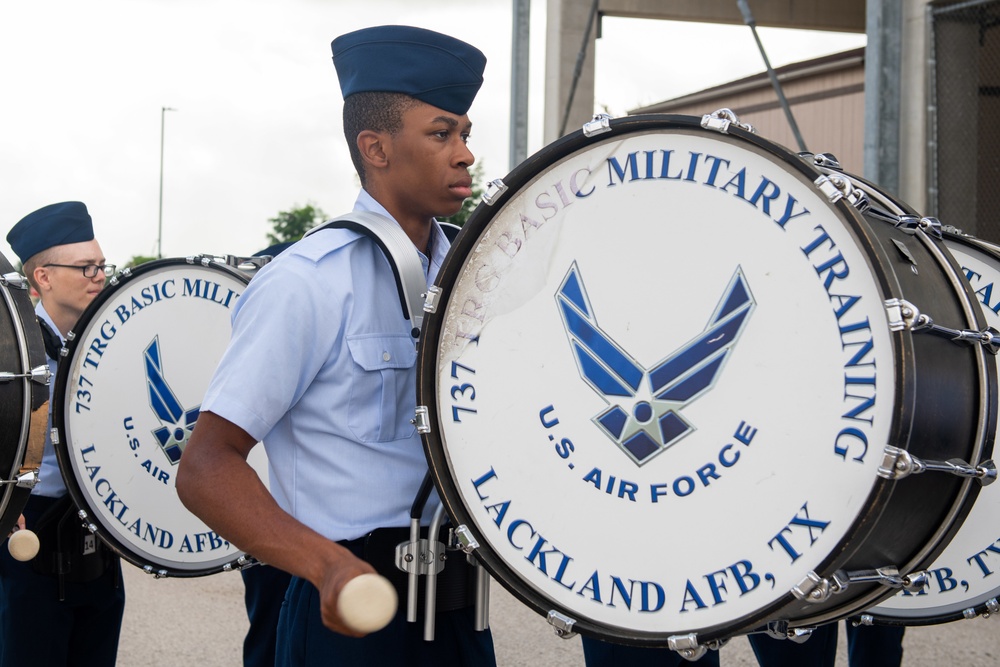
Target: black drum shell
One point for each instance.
(21, 340)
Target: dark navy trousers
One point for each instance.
(36, 628)
(598, 653)
(303, 640)
(867, 646)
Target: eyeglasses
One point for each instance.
(89, 270)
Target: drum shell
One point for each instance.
(23, 404)
(108, 429)
(957, 586)
(886, 532)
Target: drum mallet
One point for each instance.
(23, 545)
(367, 603)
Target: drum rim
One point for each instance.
(81, 501)
(34, 396)
(426, 367)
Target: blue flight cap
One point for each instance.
(437, 69)
(49, 226)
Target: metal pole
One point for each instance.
(749, 20)
(159, 229)
(519, 83)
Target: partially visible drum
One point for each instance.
(24, 396)
(127, 397)
(675, 386)
(961, 582)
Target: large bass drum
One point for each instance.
(24, 396)
(670, 385)
(128, 394)
(960, 582)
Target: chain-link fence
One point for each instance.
(964, 132)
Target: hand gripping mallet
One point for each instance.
(367, 603)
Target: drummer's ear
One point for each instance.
(41, 278)
(371, 148)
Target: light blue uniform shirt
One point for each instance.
(50, 481)
(322, 368)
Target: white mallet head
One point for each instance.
(367, 603)
(23, 545)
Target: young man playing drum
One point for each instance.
(64, 606)
(334, 404)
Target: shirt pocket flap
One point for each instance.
(374, 352)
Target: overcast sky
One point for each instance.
(257, 128)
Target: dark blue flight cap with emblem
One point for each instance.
(49, 226)
(437, 69)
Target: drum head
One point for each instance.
(659, 379)
(24, 403)
(127, 399)
(961, 581)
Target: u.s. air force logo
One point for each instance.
(643, 417)
(178, 422)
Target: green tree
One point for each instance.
(470, 204)
(292, 225)
(136, 260)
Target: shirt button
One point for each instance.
(386, 356)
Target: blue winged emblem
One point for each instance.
(178, 422)
(643, 417)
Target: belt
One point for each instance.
(455, 583)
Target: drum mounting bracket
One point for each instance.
(422, 557)
(898, 464)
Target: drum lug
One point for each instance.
(431, 299)
(721, 119)
(15, 280)
(904, 315)
(898, 464)
(54, 435)
(563, 624)
(599, 124)
(38, 375)
(494, 190)
(864, 619)
(931, 226)
(421, 419)
(687, 646)
(465, 540)
(24, 480)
